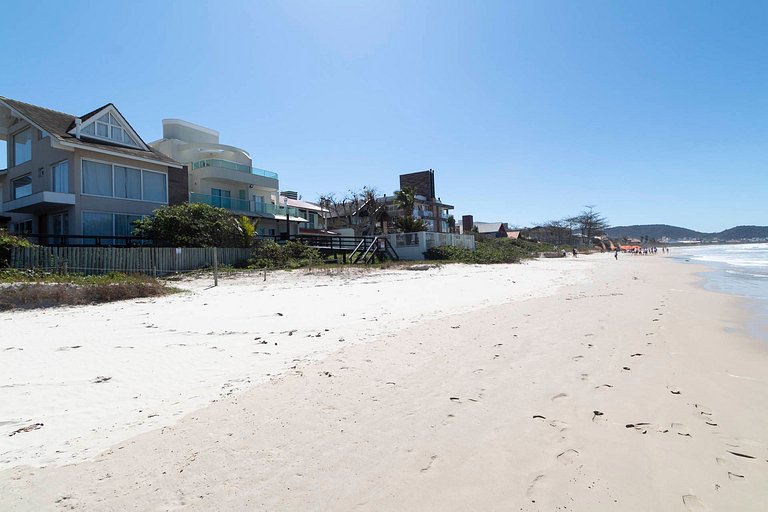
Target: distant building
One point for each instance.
(491, 229)
(357, 214)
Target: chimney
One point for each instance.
(467, 223)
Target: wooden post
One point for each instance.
(215, 267)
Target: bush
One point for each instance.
(195, 225)
(493, 250)
(8, 241)
(270, 254)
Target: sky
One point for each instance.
(654, 112)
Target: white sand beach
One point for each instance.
(568, 384)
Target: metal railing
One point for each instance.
(88, 240)
(233, 166)
(242, 205)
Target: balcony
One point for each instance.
(40, 203)
(224, 171)
(233, 166)
(252, 208)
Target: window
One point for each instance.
(60, 224)
(124, 224)
(97, 178)
(108, 224)
(109, 180)
(41, 134)
(22, 187)
(154, 187)
(60, 177)
(127, 182)
(24, 227)
(95, 223)
(108, 127)
(221, 198)
(22, 147)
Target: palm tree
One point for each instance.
(405, 199)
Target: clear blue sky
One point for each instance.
(654, 111)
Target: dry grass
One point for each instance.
(45, 295)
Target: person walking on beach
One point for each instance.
(575, 253)
(616, 254)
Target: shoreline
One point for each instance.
(492, 408)
(755, 306)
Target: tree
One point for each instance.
(410, 225)
(358, 209)
(451, 223)
(371, 207)
(405, 199)
(591, 223)
(195, 225)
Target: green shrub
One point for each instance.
(8, 241)
(195, 225)
(270, 254)
(493, 250)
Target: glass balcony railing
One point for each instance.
(233, 166)
(240, 205)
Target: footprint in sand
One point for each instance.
(641, 426)
(561, 426)
(429, 464)
(674, 390)
(532, 485)
(693, 503)
(680, 429)
(602, 386)
(734, 472)
(558, 396)
(567, 457)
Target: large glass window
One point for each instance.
(154, 187)
(60, 177)
(96, 223)
(22, 147)
(124, 224)
(22, 187)
(127, 182)
(97, 178)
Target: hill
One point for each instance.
(659, 231)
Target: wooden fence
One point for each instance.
(129, 260)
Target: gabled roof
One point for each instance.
(59, 124)
(489, 227)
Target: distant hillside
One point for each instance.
(659, 231)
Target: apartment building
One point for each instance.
(223, 176)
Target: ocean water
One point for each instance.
(738, 269)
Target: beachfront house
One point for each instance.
(382, 214)
(316, 215)
(224, 176)
(90, 174)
